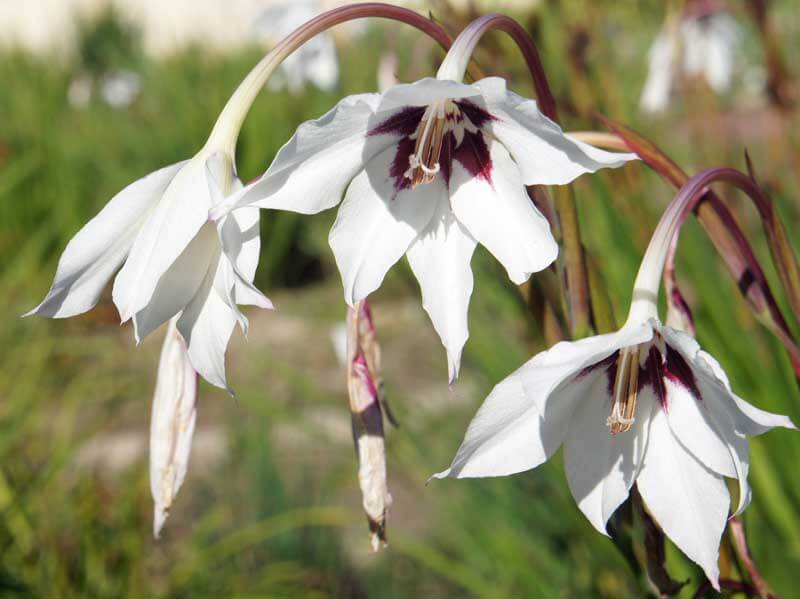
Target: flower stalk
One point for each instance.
(723, 231)
(576, 279)
(229, 123)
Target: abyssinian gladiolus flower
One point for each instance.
(643, 405)
(703, 43)
(171, 424)
(175, 261)
(429, 170)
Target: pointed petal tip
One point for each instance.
(439, 476)
(265, 303)
(453, 368)
(159, 519)
(31, 312)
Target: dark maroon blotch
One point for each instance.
(446, 156)
(399, 166)
(679, 371)
(475, 113)
(404, 122)
(610, 366)
(653, 374)
(473, 154)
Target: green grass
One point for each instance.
(277, 513)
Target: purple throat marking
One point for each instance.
(472, 153)
(656, 370)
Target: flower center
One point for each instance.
(439, 118)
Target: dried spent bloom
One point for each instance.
(171, 424)
(363, 384)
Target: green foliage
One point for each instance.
(276, 512)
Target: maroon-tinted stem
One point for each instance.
(743, 551)
(230, 120)
(696, 190)
(723, 231)
(576, 279)
(527, 47)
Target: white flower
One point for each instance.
(175, 261)
(429, 170)
(643, 405)
(314, 61)
(709, 48)
(699, 45)
(171, 424)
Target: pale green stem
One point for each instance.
(229, 123)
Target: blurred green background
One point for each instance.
(270, 507)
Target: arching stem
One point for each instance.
(229, 122)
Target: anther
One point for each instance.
(626, 388)
(439, 118)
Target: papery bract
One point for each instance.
(172, 423)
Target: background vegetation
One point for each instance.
(270, 507)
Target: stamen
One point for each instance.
(626, 389)
(439, 118)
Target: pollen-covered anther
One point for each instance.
(626, 389)
(439, 118)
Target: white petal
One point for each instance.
(748, 419)
(548, 375)
(501, 216)
(601, 467)
(239, 234)
(98, 249)
(503, 437)
(425, 92)
(718, 409)
(545, 155)
(660, 73)
(693, 425)
(440, 259)
(524, 419)
(172, 424)
(207, 323)
(737, 444)
(375, 225)
(312, 170)
(689, 501)
(180, 282)
(169, 229)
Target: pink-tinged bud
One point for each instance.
(367, 420)
(172, 424)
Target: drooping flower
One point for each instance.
(429, 170)
(175, 261)
(644, 405)
(315, 61)
(171, 424)
(701, 43)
